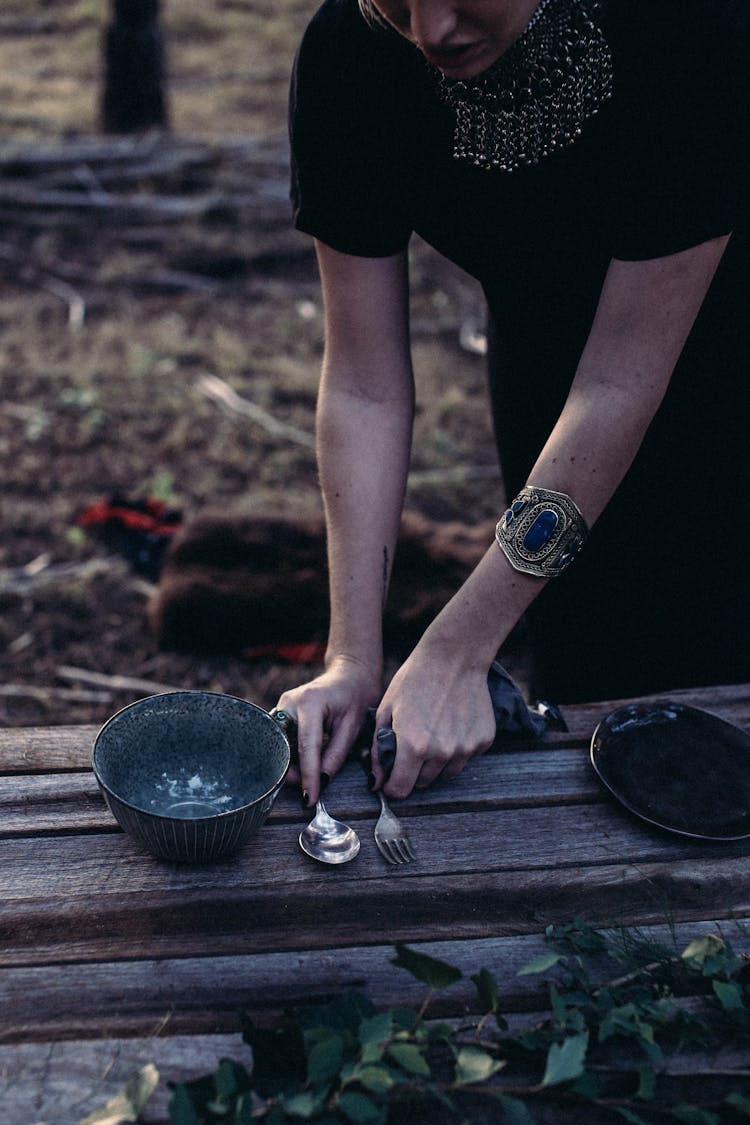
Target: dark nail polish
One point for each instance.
(324, 779)
(371, 781)
(305, 799)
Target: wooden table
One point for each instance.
(110, 958)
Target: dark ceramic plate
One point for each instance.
(677, 768)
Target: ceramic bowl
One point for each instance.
(191, 774)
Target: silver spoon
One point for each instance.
(328, 840)
(325, 839)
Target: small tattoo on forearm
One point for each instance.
(385, 573)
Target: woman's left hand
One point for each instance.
(441, 715)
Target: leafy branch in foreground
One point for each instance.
(620, 1012)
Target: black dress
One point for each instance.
(660, 596)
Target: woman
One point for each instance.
(587, 163)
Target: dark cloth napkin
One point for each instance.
(512, 716)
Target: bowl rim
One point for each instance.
(188, 819)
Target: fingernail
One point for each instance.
(305, 799)
(324, 779)
(371, 781)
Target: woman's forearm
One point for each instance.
(364, 425)
(363, 457)
(645, 314)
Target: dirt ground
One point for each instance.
(134, 268)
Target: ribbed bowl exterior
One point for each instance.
(222, 757)
(195, 840)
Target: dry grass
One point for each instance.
(115, 403)
(228, 64)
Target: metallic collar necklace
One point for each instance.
(536, 97)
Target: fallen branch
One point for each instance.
(115, 207)
(115, 683)
(47, 694)
(40, 572)
(75, 302)
(220, 391)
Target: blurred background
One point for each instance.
(161, 333)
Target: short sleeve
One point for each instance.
(680, 167)
(345, 183)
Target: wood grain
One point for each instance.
(198, 994)
(101, 941)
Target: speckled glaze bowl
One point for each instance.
(191, 774)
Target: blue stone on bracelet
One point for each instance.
(541, 529)
(516, 507)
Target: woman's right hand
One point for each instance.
(329, 712)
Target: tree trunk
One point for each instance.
(134, 62)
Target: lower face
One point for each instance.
(460, 37)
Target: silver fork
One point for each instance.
(390, 836)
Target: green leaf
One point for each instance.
(565, 1061)
(646, 1084)
(559, 1011)
(740, 1103)
(577, 935)
(372, 1053)
(342, 1013)
(440, 1032)
(358, 1107)
(434, 973)
(305, 1104)
(127, 1105)
(587, 1086)
(404, 1018)
(487, 990)
(514, 1111)
(692, 1115)
(701, 948)
(628, 1115)
(376, 1029)
(275, 1116)
(244, 1111)
(218, 1108)
(377, 1079)
(729, 995)
(475, 1065)
(230, 1078)
(409, 1058)
(626, 1020)
(540, 964)
(181, 1108)
(324, 1060)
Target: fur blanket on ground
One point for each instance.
(234, 583)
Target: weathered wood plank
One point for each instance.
(68, 802)
(192, 994)
(730, 702)
(225, 917)
(27, 749)
(58, 803)
(30, 749)
(61, 1082)
(521, 776)
(547, 838)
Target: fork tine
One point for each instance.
(384, 847)
(390, 837)
(398, 846)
